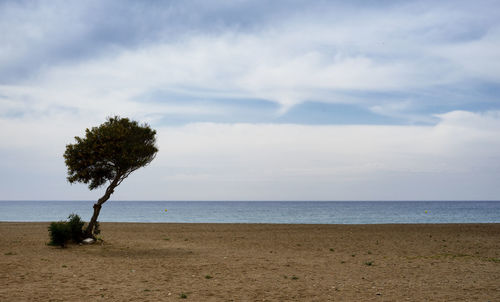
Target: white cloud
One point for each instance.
(327, 53)
(477, 58)
(265, 161)
(315, 56)
(244, 161)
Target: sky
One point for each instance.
(257, 100)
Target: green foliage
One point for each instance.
(109, 152)
(75, 225)
(60, 233)
(63, 231)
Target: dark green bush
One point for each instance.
(75, 224)
(63, 231)
(59, 233)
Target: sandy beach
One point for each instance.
(254, 262)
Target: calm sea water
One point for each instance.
(303, 212)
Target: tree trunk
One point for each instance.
(89, 231)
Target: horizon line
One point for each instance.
(228, 200)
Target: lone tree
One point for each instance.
(108, 154)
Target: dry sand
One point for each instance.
(254, 262)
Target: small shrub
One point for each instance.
(295, 278)
(75, 225)
(59, 233)
(369, 263)
(63, 231)
(183, 296)
(208, 277)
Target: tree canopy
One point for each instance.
(113, 150)
(109, 153)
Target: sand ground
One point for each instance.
(254, 262)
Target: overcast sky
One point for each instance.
(257, 100)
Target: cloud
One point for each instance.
(333, 53)
(230, 74)
(456, 159)
(477, 58)
(332, 162)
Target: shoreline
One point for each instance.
(267, 223)
(271, 262)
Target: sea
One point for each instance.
(278, 212)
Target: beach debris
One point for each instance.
(88, 241)
(165, 210)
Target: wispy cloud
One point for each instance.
(455, 159)
(234, 87)
(325, 53)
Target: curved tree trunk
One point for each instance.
(89, 231)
